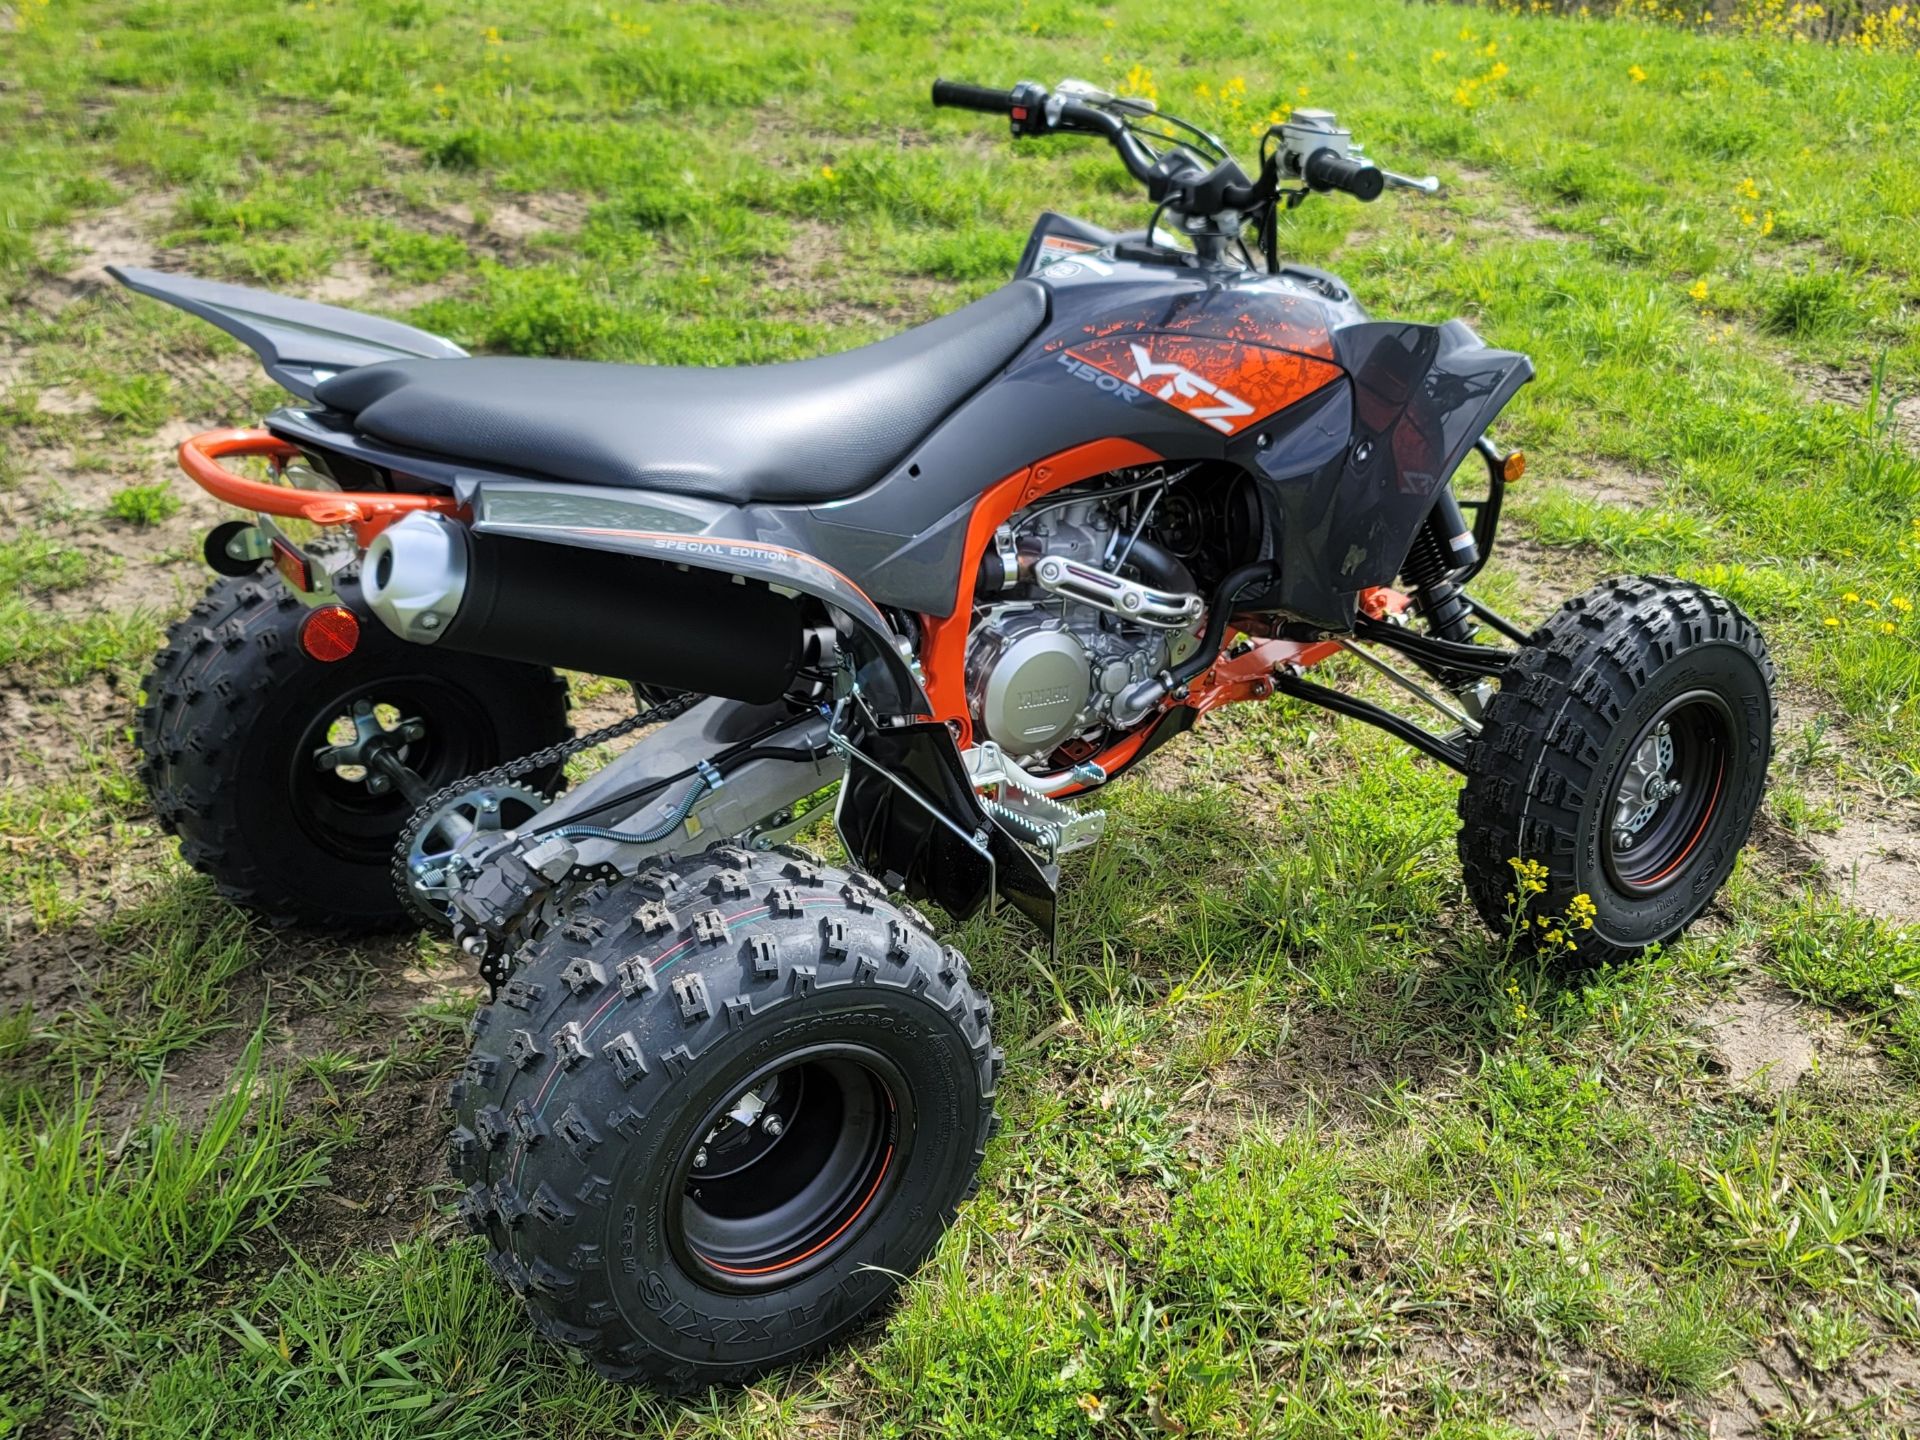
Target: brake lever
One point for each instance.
(1426, 184)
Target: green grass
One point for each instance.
(1292, 1146)
(143, 505)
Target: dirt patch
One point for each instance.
(124, 234)
(348, 281)
(1318, 1061)
(1873, 863)
(1543, 576)
(1853, 388)
(1507, 215)
(1756, 1039)
(816, 259)
(525, 218)
(1773, 1393)
(386, 1183)
(1609, 484)
(503, 229)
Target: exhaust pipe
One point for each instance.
(435, 582)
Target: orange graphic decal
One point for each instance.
(1218, 382)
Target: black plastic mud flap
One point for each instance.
(910, 816)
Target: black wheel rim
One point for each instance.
(755, 1210)
(341, 814)
(1665, 793)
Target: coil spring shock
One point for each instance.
(1440, 549)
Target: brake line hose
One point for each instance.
(707, 779)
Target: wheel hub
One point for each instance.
(784, 1173)
(1646, 785)
(376, 755)
(1664, 795)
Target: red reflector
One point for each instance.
(292, 566)
(330, 633)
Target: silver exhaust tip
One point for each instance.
(414, 576)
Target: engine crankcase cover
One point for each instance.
(1034, 681)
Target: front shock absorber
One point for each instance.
(1442, 548)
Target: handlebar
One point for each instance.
(1313, 149)
(1327, 170)
(1032, 111)
(956, 95)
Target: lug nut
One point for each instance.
(772, 1125)
(700, 1158)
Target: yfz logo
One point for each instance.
(1182, 384)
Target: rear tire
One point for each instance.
(235, 708)
(612, 1124)
(1641, 684)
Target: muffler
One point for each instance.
(433, 581)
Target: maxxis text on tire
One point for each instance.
(228, 728)
(623, 1045)
(1636, 663)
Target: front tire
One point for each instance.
(719, 1113)
(235, 711)
(1626, 751)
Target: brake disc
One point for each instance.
(430, 858)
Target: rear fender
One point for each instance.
(299, 342)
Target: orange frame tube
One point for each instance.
(368, 512)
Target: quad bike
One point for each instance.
(725, 1096)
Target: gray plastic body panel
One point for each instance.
(1345, 475)
(299, 342)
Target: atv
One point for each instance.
(724, 1095)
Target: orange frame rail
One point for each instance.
(367, 511)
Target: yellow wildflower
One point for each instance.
(1887, 627)
(1901, 603)
(1698, 290)
(1748, 189)
(1636, 74)
(826, 172)
(1830, 623)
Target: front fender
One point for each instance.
(1350, 494)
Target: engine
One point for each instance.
(1077, 603)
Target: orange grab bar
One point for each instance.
(369, 512)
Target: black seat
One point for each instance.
(805, 431)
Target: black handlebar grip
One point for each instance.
(959, 96)
(1326, 170)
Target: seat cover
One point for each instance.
(806, 431)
